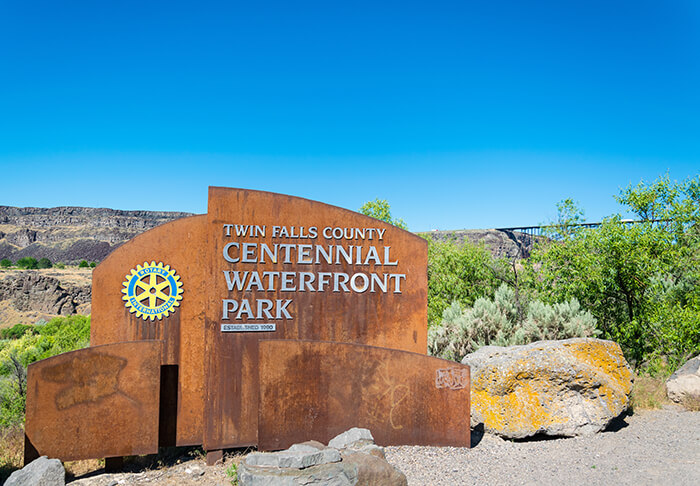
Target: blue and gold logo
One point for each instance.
(152, 290)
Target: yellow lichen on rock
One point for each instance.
(570, 387)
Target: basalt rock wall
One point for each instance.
(71, 234)
(499, 242)
(32, 291)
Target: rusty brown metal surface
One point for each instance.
(218, 387)
(96, 402)
(182, 245)
(316, 390)
(389, 319)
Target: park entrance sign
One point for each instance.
(270, 320)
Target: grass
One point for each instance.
(11, 450)
(649, 392)
(692, 404)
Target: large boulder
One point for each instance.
(559, 388)
(684, 385)
(40, 472)
(351, 459)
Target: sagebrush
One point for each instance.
(499, 322)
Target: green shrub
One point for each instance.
(17, 331)
(60, 265)
(458, 273)
(60, 335)
(83, 264)
(5, 263)
(93, 264)
(12, 403)
(28, 263)
(499, 322)
(44, 263)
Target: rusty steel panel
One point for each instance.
(316, 390)
(218, 386)
(181, 244)
(100, 401)
(355, 314)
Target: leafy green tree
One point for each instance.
(640, 280)
(5, 263)
(458, 273)
(44, 263)
(569, 216)
(93, 264)
(380, 209)
(13, 392)
(28, 263)
(83, 264)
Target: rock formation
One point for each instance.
(352, 458)
(32, 291)
(71, 234)
(500, 243)
(559, 388)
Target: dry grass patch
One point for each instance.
(649, 392)
(76, 469)
(11, 450)
(691, 403)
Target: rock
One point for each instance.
(312, 463)
(374, 471)
(294, 458)
(309, 443)
(71, 234)
(560, 388)
(499, 242)
(32, 291)
(684, 385)
(333, 474)
(39, 472)
(373, 450)
(352, 437)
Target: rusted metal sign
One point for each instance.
(257, 266)
(101, 401)
(316, 272)
(316, 390)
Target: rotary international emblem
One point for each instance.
(152, 290)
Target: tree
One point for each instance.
(458, 273)
(44, 263)
(5, 263)
(27, 263)
(380, 209)
(83, 264)
(569, 216)
(640, 281)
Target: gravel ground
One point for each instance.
(649, 448)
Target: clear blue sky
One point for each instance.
(461, 114)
